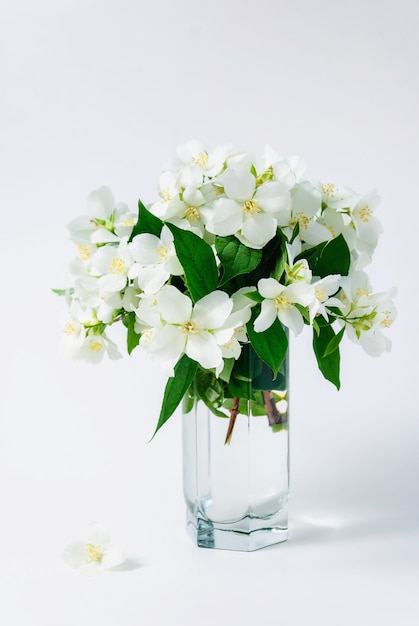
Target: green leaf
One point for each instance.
(312, 255)
(62, 292)
(295, 231)
(329, 364)
(146, 223)
(133, 338)
(271, 345)
(235, 257)
(227, 369)
(198, 261)
(334, 259)
(254, 295)
(176, 387)
(281, 260)
(334, 342)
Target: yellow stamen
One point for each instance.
(201, 160)
(329, 190)
(251, 207)
(320, 294)
(163, 253)
(69, 328)
(189, 327)
(192, 214)
(302, 219)
(117, 266)
(282, 302)
(387, 321)
(83, 252)
(332, 230)
(96, 346)
(94, 553)
(129, 222)
(361, 292)
(165, 195)
(365, 213)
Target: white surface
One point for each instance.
(101, 93)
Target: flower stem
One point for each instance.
(274, 416)
(234, 411)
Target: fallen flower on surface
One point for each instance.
(95, 555)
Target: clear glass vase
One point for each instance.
(236, 467)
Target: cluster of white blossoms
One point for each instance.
(121, 276)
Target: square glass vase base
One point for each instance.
(245, 535)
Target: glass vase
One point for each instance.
(236, 463)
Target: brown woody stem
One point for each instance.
(234, 411)
(274, 416)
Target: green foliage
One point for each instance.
(133, 338)
(326, 349)
(235, 257)
(271, 345)
(62, 292)
(176, 387)
(332, 257)
(146, 223)
(198, 261)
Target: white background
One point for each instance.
(102, 93)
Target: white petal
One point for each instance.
(193, 197)
(101, 235)
(101, 203)
(167, 343)
(112, 282)
(270, 288)
(273, 197)
(239, 183)
(301, 293)
(259, 229)
(228, 217)
(175, 307)
(112, 557)
(203, 348)
(211, 311)
(267, 316)
(291, 318)
(144, 249)
(75, 554)
(306, 199)
(152, 278)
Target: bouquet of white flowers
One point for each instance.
(235, 251)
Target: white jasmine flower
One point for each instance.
(190, 329)
(289, 170)
(168, 189)
(337, 197)
(305, 205)
(106, 221)
(94, 556)
(251, 214)
(74, 334)
(210, 162)
(194, 210)
(337, 224)
(298, 271)
(368, 330)
(279, 303)
(367, 225)
(94, 348)
(113, 263)
(155, 260)
(323, 289)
